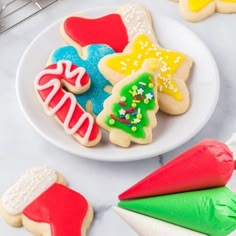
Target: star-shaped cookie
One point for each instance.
(173, 95)
(197, 10)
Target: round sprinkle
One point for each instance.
(146, 101)
(134, 87)
(134, 128)
(123, 99)
(139, 116)
(150, 85)
(111, 121)
(127, 116)
(134, 104)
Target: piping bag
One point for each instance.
(209, 211)
(208, 164)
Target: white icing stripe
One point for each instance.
(29, 187)
(55, 84)
(136, 21)
(147, 226)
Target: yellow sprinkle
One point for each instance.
(136, 101)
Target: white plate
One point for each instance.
(171, 131)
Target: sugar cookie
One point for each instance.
(129, 113)
(41, 203)
(173, 94)
(88, 57)
(63, 105)
(194, 11)
(114, 29)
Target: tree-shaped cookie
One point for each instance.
(197, 10)
(173, 93)
(129, 113)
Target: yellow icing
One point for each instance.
(228, 1)
(143, 49)
(198, 5)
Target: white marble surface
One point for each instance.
(21, 147)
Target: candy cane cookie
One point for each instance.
(49, 85)
(41, 202)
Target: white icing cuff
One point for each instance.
(147, 226)
(30, 186)
(136, 20)
(231, 143)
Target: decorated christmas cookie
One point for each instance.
(148, 226)
(137, 20)
(173, 94)
(193, 10)
(206, 165)
(41, 202)
(88, 58)
(49, 85)
(129, 113)
(115, 29)
(211, 211)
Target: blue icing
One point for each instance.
(95, 53)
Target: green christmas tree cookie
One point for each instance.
(129, 114)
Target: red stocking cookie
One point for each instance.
(115, 29)
(42, 203)
(63, 105)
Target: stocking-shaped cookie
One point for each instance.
(42, 203)
(129, 113)
(49, 85)
(173, 95)
(114, 29)
(193, 10)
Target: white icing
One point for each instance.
(136, 21)
(147, 226)
(231, 143)
(30, 186)
(55, 84)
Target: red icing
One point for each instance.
(109, 30)
(62, 208)
(62, 112)
(206, 165)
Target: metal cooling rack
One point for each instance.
(13, 12)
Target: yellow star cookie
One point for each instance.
(197, 10)
(175, 67)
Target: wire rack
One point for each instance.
(13, 12)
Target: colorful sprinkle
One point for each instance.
(112, 121)
(114, 117)
(123, 99)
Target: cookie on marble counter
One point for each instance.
(41, 203)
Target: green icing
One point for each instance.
(139, 97)
(211, 211)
